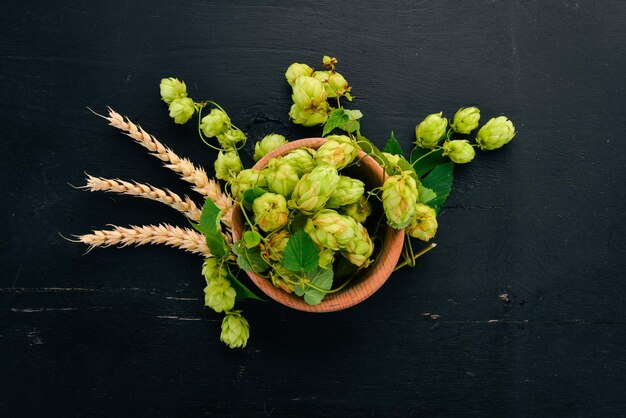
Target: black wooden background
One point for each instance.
(125, 333)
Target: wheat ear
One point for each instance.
(173, 236)
(185, 206)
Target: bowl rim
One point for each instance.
(375, 275)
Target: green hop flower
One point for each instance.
(280, 277)
(329, 62)
(348, 191)
(399, 199)
(296, 70)
(465, 120)
(308, 93)
(359, 210)
(235, 330)
(281, 177)
(327, 258)
(314, 189)
(172, 89)
(430, 130)
(219, 295)
(268, 144)
(245, 180)
(338, 151)
(181, 110)
(301, 159)
(213, 269)
(359, 249)
(334, 83)
(275, 244)
(270, 211)
(460, 151)
(423, 225)
(227, 165)
(392, 158)
(496, 133)
(229, 139)
(215, 123)
(329, 229)
(309, 117)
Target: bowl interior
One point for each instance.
(369, 280)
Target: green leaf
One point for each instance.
(251, 194)
(209, 226)
(423, 163)
(250, 259)
(425, 194)
(353, 124)
(440, 181)
(300, 254)
(336, 119)
(393, 146)
(242, 291)
(251, 238)
(321, 279)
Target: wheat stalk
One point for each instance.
(188, 172)
(173, 236)
(186, 206)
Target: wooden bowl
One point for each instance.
(369, 280)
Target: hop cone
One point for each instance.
(227, 165)
(181, 110)
(359, 249)
(423, 225)
(430, 130)
(270, 211)
(338, 151)
(465, 120)
(496, 133)
(310, 116)
(459, 151)
(328, 229)
(301, 159)
(229, 139)
(327, 257)
(308, 93)
(314, 189)
(348, 191)
(171, 89)
(213, 269)
(296, 70)
(279, 276)
(359, 210)
(268, 144)
(215, 123)
(247, 179)
(275, 244)
(334, 83)
(399, 199)
(280, 176)
(219, 295)
(235, 330)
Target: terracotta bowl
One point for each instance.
(369, 280)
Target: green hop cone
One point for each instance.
(314, 189)
(213, 269)
(309, 117)
(219, 295)
(359, 210)
(280, 176)
(309, 93)
(348, 191)
(297, 70)
(327, 258)
(215, 123)
(465, 120)
(430, 130)
(329, 229)
(301, 159)
(181, 110)
(496, 133)
(392, 158)
(235, 330)
(399, 199)
(423, 225)
(280, 277)
(245, 180)
(459, 151)
(227, 165)
(268, 144)
(275, 244)
(270, 211)
(172, 89)
(334, 83)
(338, 151)
(359, 249)
(229, 139)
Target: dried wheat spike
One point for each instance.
(186, 206)
(173, 236)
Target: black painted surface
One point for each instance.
(124, 333)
